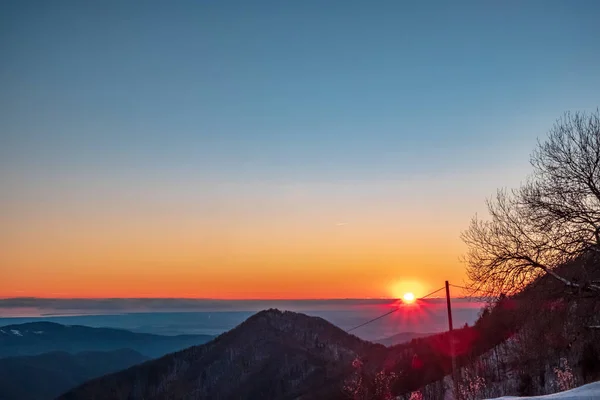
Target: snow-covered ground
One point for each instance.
(585, 392)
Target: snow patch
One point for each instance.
(16, 332)
(590, 391)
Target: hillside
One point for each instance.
(285, 355)
(45, 376)
(538, 342)
(272, 355)
(42, 337)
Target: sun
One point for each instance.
(408, 297)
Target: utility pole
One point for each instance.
(451, 336)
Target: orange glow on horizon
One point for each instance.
(275, 245)
(339, 280)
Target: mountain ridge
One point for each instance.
(45, 376)
(273, 354)
(32, 338)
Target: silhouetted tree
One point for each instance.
(552, 219)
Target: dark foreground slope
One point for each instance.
(42, 337)
(272, 355)
(48, 375)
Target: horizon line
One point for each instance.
(226, 299)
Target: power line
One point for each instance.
(393, 311)
(432, 293)
(372, 320)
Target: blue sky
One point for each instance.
(300, 87)
(184, 96)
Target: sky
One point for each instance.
(268, 149)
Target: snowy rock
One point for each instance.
(590, 391)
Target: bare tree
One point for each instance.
(552, 219)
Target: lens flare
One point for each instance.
(408, 297)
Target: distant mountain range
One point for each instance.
(306, 356)
(279, 355)
(272, 355)
(45, 376)
(41, 337)
(402, 337)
